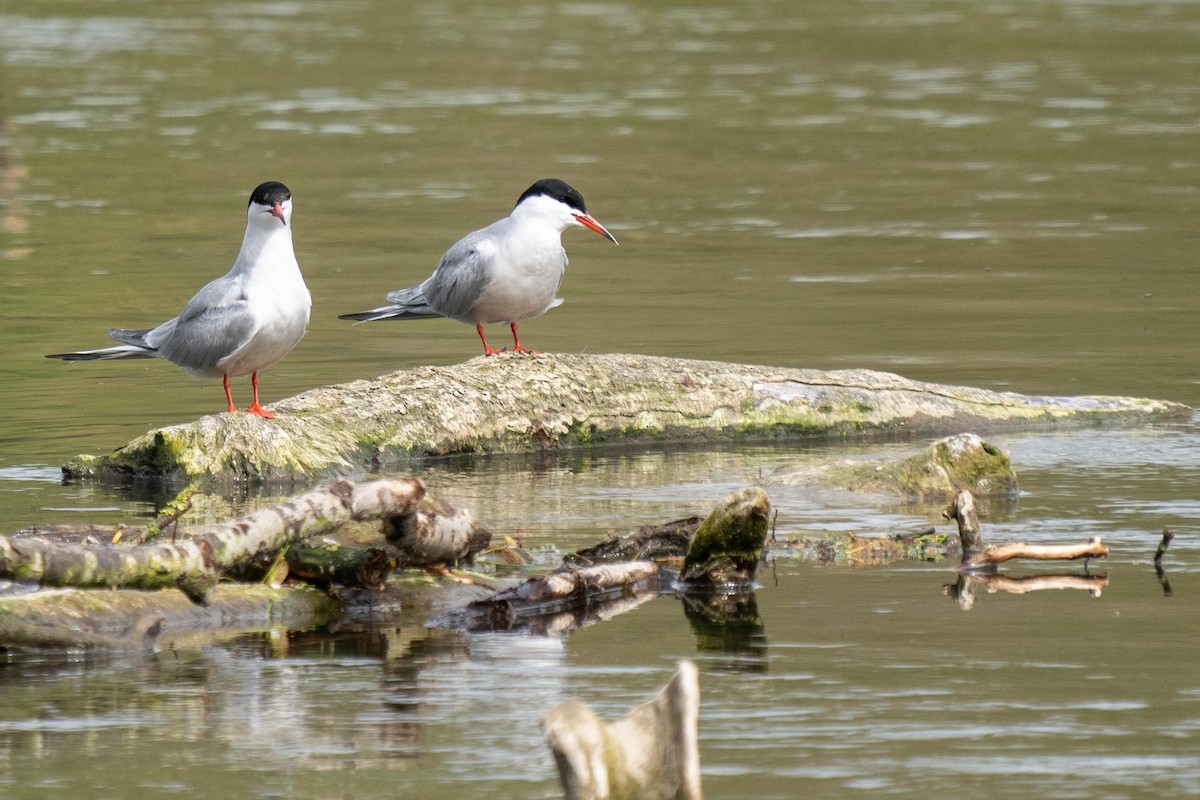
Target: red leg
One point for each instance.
(487, 351)
(517, 348)
(255, 408)
(228, 394)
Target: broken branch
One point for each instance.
(195, 564)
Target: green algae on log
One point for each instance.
(129, 619)
(941, 470)
(513, 403)
(728, 545)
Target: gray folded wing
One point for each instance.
(215, 323)
(460, 279)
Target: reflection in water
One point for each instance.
(963, 592)
(728, 626)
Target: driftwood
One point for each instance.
(665, 542)
(998, 554)
(963, 511)
(977, 556)
(596, 592)
(724, 551)
(195, 564)
(845, 547)
(435, 534)
(525, 404)
(330, 564)
(651, 754)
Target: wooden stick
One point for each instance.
(998, 554)
(962, 510)
(1168, 535)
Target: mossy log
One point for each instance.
(126, 619)
(196, 563)
(514, 403)
(728, 546)
(329, 564)
(962, 461)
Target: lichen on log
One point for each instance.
(522, 404)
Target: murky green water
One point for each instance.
(1002, 195)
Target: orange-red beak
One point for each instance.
(589, 222)
(277, 211)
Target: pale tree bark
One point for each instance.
(652, 753)
(194, 564)
(515, 403)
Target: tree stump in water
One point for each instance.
(728, 546)
(650, 754)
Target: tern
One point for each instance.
(240, 323)
(506, 272)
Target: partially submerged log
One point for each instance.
(122, 619)
(521, 404)
(724, 552)
(331, 564)
(650, 754)
(845, 547)
(578, 591)
(195, 564)
(664, 542)
(949, 465)
(728, 546)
